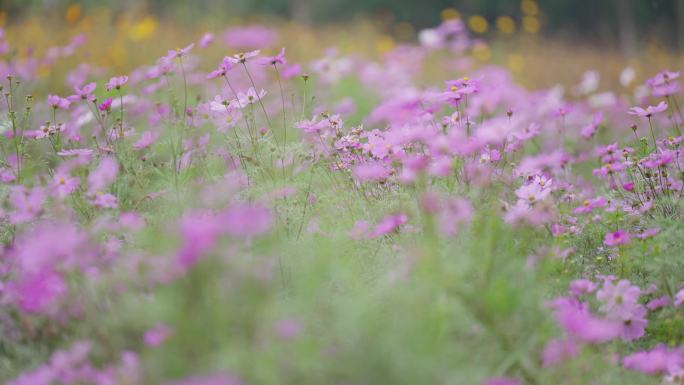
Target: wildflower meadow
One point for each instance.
(249, 207)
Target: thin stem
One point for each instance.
(261, 103)
(282, 98)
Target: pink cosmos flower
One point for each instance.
(242, 57)
(85, 92)
(57, 102)
(659, 360)
(454, 213)
(64, 184)
(634, 324)
(657, 303)
(649, 111)
(659, 159)
(83, 153)
(371, 171)
(590, 204)
(532, 193)
(274, 60)
(582, 286)
(620, 303)
(618, 299)
(557, 351)
(288, 328)
(102, 176)
(250, 97)
(48, 129)
(131, 220)
(590, 129)
(179, 52)
(575, 319)
(27, 204)
(157, 335)
(146, 140)
(199, 232)
(664, 83)
(648, 233)
(388, 224)
(245, 220)
(222, 69)
(522, 213)
(616, 238)
(104, 200)
(116, 82)
(679, 298)
(206, 40)
(39, 292)
(290, 71)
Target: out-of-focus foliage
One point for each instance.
(597, 20)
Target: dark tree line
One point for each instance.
(627, 23)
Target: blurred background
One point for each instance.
(624, 22)
(528, 36)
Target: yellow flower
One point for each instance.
(72, 14)
(450, 14)
(505, 24)
(143, 29)
(531, 24)
(478, 24)
(385, 44)
(529, 7)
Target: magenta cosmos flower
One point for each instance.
(106, 105)
(116, 82)
(616, 238)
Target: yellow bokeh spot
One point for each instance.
(143, 29)
(482, 52)
(478, 24)
(505, 24)
(531, 24)
(529, 7)
(385, 44)
(450, 14)
(3, 18)
(404, 31)
(72, 14)
(515, 62)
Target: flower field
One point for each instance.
(257, 204)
